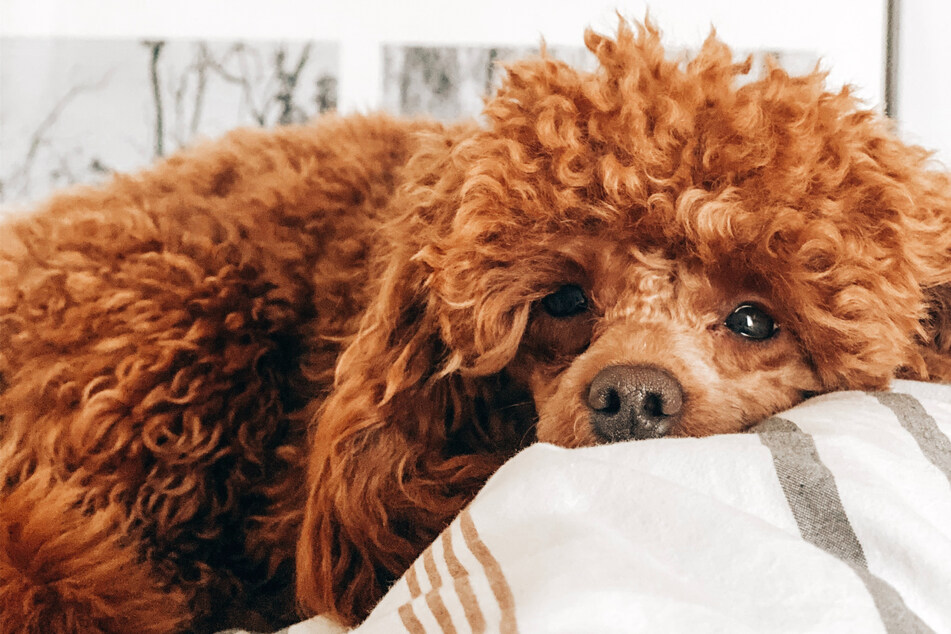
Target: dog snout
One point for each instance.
(634, 401)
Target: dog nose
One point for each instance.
(634, 401)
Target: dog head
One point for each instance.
(654, 249)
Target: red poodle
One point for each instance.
(320, 341)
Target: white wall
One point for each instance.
(924, 72)
(848, 35)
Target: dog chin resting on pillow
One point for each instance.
(292, 356)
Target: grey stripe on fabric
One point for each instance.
(934, 444)
(810, 490)
(813, 498)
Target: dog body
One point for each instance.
(165, 343)
(326, 338)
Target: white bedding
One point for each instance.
(833, 517)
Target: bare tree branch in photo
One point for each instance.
(188, 107)
(287, 84)
(490, 70)
(262, 94)
(63, 172)
(178, 87)
(326, 97)
(20, 179)
(96, 165)
(201, 70)
(156, 52)
(239, 52)
(258, 113)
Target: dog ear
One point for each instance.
(893, 294)
(382, 483)
(929, 228)
(907, 201)
(405, 439)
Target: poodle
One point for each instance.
(288, 358)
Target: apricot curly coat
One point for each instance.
(324, 339)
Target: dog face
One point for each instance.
(652, 250)
(641, 345)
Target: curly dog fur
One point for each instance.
(318, 342)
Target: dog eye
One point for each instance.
(567, 301)
(750, 321)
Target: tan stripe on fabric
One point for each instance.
(460, 580)
(433, 600)
(412, 582)
(410, 622)
(493, 572)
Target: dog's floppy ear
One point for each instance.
(375, 491)
(903, 200)
(394, 454)
(930, 249)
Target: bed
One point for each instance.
(834, 516)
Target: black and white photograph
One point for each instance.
(74, 111)
(450, 83)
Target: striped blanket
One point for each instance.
(832, 517)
